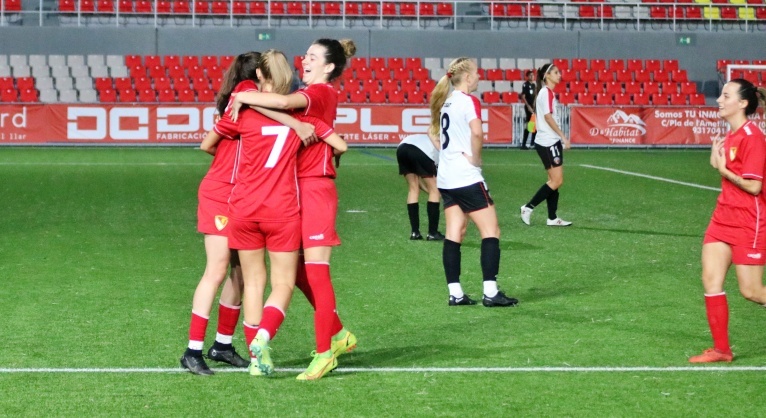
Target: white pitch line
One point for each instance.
(75, 163)
(630, 173)
(413, 370)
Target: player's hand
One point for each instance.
(235, 106)
(565, 142)
(216, 118)
(473, 160)
(307, 134)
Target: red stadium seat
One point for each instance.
(123, 83)
(597, 64)
(642, 76)
(133, 60)
(679, 76)
(509, 97)
(605, 75)
(635, 65)
(616, 65)
(195, 71)
(147, 96)
(181, 83)
(186, 96)
(107, 96)
(220, 8)
(613, 87)
(166, 96)
(697, 99)
(444, 9)
(258, 8)
(377, 96)
(225, 61)
(389, 85)
(641, 99)
(190, 60)
(23, 83)
(397, 97)
(632, 88)
(659, 99)
(67, 6)
(688, 88)
(144, 6)
(157, 71)
(650, 88)
(352, 9)
(413, 63)
(604, 99)
(127, 96)
(495, 74)
(594, 87)
(653, 65)
(207, 96)
(669, 87)
(586, 75)
(567, 98)
(660, 76)
(624, 76)
(162, 83)
(427, 10)
(622, 99)
(101, 83)
(142, 83)
(9, 95)
(678, 99)
(579, 64)
(358, 97)
(164, 7)
(407, 9)
(585, 99)
(87, 6)
(577, 87)
(490, 97)
(181, 7)
(514, 75)
(28, 96)
(561, 63)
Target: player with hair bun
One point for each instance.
(324, 61)
(550, 143)
(456, 121)
(737, 230)
(212, 220)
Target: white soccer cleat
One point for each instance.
(526, 214)
(558, 222)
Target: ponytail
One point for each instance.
(243, 68)
(438, 97)
(540, 81)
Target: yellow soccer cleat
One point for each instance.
(343, 342)
(321, 365)
(260, 349)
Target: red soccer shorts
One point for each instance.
(213, 208)
(274, 236)
(739, 254)
(319, 207)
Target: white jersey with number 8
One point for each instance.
(455, 137)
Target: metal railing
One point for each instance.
(465, 15)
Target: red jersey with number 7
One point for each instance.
(316, 159)
(266, 188)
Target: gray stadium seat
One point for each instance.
(525, 63)
(115, 61)
(88, 96)
(44, 83)
(68, 96)
(438, 73)
(95, 60)
(60, 71)
(97, 72)
(488, 63)
(431, 63)
(5, 71)
(507, 63)
(446, 61)
(49, 96)
(63, 83)
(83, 83)
(539, 62)
(502, 86)
(21, 71)
(40, 71)
(38, 61)
(80, 71)
(56, 60)
(119, 72)
(75, 60)
(4, 59)
(484, 85)
(16, 60)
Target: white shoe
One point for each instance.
(558, 222)
(526, 214)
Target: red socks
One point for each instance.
(227, 319)
(718, 319)
(302, 281)
(325, 316)
(272, 319)
(197, 329)
(250, 332)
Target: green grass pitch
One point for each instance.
(99, 258)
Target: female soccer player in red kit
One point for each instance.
(737, 231)
(212, 219)
(265, 213)
(324, 61)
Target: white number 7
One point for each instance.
(281, 133)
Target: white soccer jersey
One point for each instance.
(423, 142)
(546, 104)
(454, 169)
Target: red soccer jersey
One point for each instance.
(745, 155)
(223, 167)
(266, 188)
(316, 159)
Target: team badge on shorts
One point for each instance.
(732, 153)
(220, 222)
(556, 160)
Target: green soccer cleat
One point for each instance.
(320, 366)
(344, 343)
(260, 349)
(253, 368)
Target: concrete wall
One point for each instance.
(699, 59)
